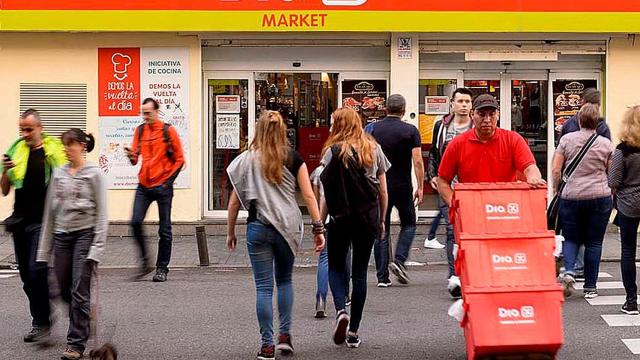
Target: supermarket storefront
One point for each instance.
(216, 64)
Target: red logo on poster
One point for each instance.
(119, 82)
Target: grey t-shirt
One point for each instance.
(380, 163)
(453, 131)
(624, 178)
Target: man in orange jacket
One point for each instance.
(162, 159)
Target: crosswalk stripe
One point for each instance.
(608, 300)
(6, 276)
(633, 345)
(604, 275)
(8, 271)
(621, 320)
(602, 285)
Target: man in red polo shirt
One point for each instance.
(486, 154)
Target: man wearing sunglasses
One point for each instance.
(162, 159)
(27, 167)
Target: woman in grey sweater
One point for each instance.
(624, 179)
(74, 228)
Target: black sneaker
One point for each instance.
(142, 272)
(353, 341)
(384, 283)
(160, 276)
(340, 332)
(630, 308)
(321, 309)
(400, 272)
(267, 352)
(579, 275)
(284, 344)
(37, 334)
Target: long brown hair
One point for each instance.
(271, 142)
(347, 132)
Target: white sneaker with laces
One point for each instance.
(433, 244)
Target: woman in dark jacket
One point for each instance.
(624, 180)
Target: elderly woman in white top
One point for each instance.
(585, 202)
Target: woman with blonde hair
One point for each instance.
(624, 179)
(585, 200)
(264, 180)
(356, 194)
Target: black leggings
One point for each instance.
(343, 233)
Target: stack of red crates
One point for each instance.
(506, 267)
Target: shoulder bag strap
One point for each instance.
(568, 171)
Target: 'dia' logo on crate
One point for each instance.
(524, 315)
(517, 261)
(510, 211)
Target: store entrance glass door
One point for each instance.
(227, 135)
(529, 118)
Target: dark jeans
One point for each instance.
(33, 274)
(584, 222)
(444, 210)
(342, 234)
(629, 240)
(271, 257)
(322, 274)
(163, 195)
(403, 201)
(73, 272)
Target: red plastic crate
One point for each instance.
(498, 209)
(507, 261)
(514, 321)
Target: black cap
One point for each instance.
(484, 101)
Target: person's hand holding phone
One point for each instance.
(7, 163)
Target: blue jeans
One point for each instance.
(270, 253)
(584, 222)
(444, 210)
(403, 201)
(163, 195)
(322, 274)
(342, 234)
(436, 222)
(629, 240)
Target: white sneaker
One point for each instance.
(433, 244)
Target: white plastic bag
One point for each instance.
(558, 252)
(456, 310)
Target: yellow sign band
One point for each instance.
(362, 21)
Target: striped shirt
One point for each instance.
(624, 178)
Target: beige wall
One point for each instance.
(73, 58)
(623, 77)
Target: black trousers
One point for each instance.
(33, 274)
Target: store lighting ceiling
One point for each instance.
(511, 56)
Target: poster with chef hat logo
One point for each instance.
(119, 81)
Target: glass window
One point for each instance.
(431, 87)
(221, 153)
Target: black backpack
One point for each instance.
(166, 139)
(347, 189)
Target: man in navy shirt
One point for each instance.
(401, 144)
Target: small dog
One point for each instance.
(105, 352)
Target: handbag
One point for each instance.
(553, 220)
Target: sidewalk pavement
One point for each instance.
(122, 253)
